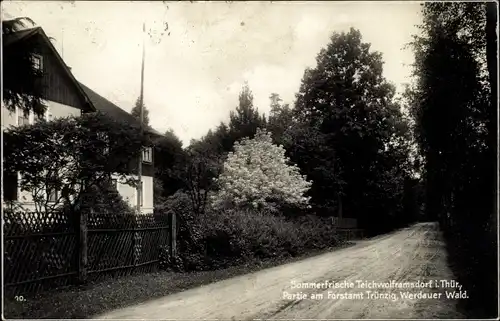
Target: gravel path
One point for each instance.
(415, 254)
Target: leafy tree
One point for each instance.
(70, 156)
(346, 104)
(452, 106)
(246, 119)
(219, 141)
(223, 138)
(257, 174)
(449, 102)
(169, 163)
(201, 167)
(307, 147)
(24, 92)
(136, 112)
(244, 122)
(280, 118)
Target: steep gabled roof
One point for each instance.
(95, 101)
(14, 37)
(25, 34)
(105, 106)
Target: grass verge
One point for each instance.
(94, 299)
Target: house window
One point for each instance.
(23, 118)
(20, 187)
(147, 155)
(52, 195)
(37, 62)
(52, 192)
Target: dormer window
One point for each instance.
(37, 62)
(147, 155)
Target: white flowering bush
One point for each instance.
(257, 174)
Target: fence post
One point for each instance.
(173, 236)
(83, 246)
(136, 241)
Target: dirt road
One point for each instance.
(293, 291)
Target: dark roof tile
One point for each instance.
(105, 106)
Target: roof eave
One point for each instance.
(66, 69)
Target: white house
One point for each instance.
(65, 96)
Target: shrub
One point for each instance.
(231, 237)
(220, 238)
(69, 153)
(105, 199)
(169, 262)
(191, 254)
(316, 232)
(109, 209)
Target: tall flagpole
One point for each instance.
(141, 101)
(62, 44)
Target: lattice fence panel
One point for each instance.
(123, 244)
(41, 249)
(151, 243)
(111, 221)
(38, 247)
(27, 223)
(109, 249)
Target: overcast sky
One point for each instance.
(193, 76)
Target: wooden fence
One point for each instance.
(44, 250)
(347, 228)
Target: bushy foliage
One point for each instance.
(169, 161)
(258, 173)
(104, 199)
(238, 236)
(189, 233)
(70, 155)
(168, 262)
(201, 168)
(136, 112)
